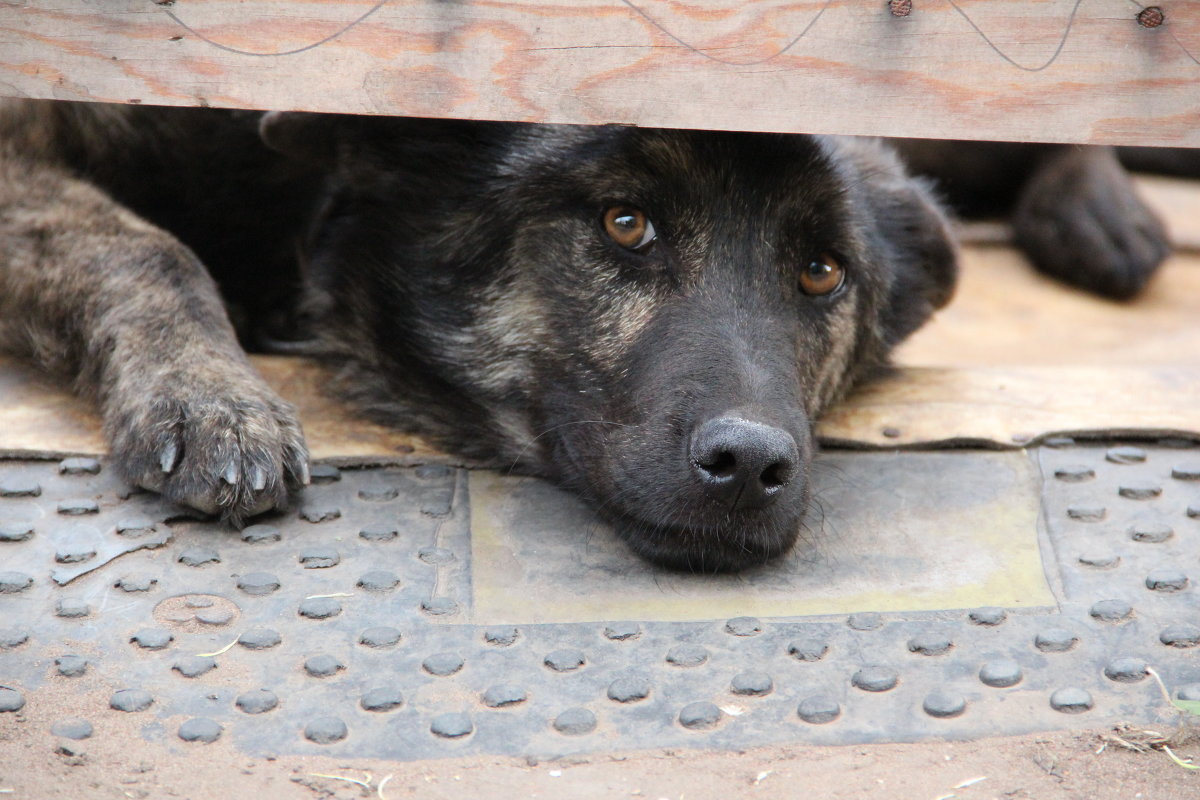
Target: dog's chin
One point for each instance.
(708, 550)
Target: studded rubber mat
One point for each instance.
(428, 612)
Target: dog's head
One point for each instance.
(650, 318)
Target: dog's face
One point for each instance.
(650, 318)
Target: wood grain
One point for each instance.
(1053, 70)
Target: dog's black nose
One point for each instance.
(743, 463)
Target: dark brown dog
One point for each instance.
(1074, 210)
(649, 318)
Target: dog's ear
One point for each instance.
(912, 229)
(307, 137)
(367, 150)
(926, 257)
(345, 141)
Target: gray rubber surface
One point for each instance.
(366, 623)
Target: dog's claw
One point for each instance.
(258, 478)
(300, 470)
(231, 446)
(167, 457)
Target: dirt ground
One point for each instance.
(1096, 765)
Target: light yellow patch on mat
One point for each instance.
(903, 532)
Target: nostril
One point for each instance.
(722, 465)
(775, 476)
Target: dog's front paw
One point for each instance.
(1080, 220)
(227, 446)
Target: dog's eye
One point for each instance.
(629, 228)
(822, 276)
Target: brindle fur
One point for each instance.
(1074, 210)
(458, 277)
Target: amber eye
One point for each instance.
(629, 228)
(822, 276)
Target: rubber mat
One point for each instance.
(413, 613)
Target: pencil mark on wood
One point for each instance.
(1045, 65)
(1149, 17)
(380, 4)
(1186, 52)
(857, 70)
(600, 47)
(708, 55)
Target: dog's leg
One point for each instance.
(93, 291)
(1079, 219)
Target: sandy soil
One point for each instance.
(1095, 765)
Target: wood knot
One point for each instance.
(1151, 17)
(900, 8)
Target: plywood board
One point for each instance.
(1017, 357)
(1055, 70)
(1014, 406)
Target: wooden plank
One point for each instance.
(1054, 70)
(1015, 406)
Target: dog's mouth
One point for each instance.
(738, 503)
(728, 545)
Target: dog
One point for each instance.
(649, 318)
(1074, 211)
